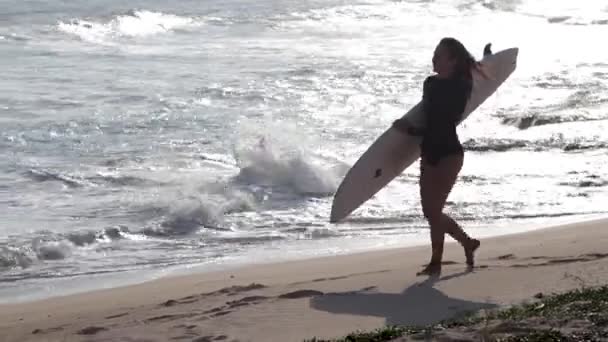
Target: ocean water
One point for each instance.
(146, 138)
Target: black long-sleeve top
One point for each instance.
(444, 101)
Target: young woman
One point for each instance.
(445, 96)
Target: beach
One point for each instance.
(148, 138)
(324, 297)
(168, 169)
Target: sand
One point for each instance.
(324, 297)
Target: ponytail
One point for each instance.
(465, 62)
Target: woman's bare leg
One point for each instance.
(436, 182)
(457, 233)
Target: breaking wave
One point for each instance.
(135, 23)
(267, 165)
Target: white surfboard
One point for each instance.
(394, 151)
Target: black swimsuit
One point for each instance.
(443, 101)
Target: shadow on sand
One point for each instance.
(418, 305)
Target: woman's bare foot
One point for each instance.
(432, 269)
(469, 251)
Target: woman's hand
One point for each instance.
(403, 126)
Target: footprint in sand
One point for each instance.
(548, 261)
(214, 310)
(506, 257)
(252, 300)
(210, 338)
(338, 277)
(246, 301)
(327, 279)
(46, 331)
(230, 306)
(229, 291)
(300, 294)
(117, 315)
(221, 313)
(234, 290)
(171, 317)
(92, 330)
(186, 326)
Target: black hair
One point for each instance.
(465, 62)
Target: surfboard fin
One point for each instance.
(487, 50)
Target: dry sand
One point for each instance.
(325, 297)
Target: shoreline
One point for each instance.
(119, 280)
(325, 297)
